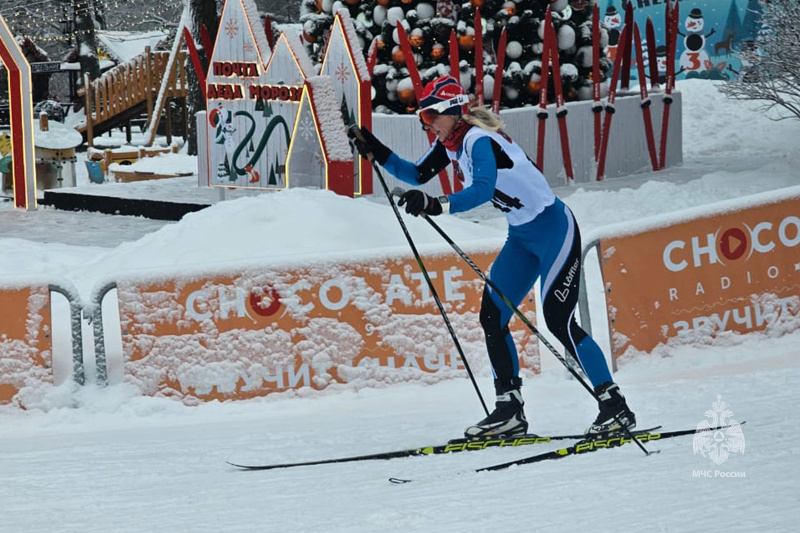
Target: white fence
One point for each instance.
(627, 147)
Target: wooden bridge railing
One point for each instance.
(130, 85)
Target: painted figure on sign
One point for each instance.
(222, 119)
(252, 174)
(694, 57)
(612, 20)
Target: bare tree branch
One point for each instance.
(771, 64)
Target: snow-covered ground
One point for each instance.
(111, 460)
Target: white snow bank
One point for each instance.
(294, 225)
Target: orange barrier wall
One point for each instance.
(264, 330)
(734, 271)
(25, 339)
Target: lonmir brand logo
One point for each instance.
(718, 437)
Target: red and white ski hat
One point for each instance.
(444, 96)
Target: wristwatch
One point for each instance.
(445, 203)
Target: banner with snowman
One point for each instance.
(244, 119)
(710, 34)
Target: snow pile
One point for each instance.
(126, 45)
(295, 42)
(353, 44)
(57, 137)
(168, 164)
(329, 119)
(257, 28)
(274, 228)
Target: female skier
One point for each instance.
(543, 240)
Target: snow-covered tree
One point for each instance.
(203, 13)
(87, 44)
(770, 71)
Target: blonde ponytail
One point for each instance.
(483, 118)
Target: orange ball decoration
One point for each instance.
(466, 42)
(384, 3)
(416, 41)
(533, 87)
(380, 43)
(352, 2)
(308, 37)
(398, 58)
(438, 52)
(478, 3)
(406, 2)
(407, 96)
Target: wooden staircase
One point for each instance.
(131, 89)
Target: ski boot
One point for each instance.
(614, 411)
(508, 417)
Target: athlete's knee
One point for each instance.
(568, 333)
(490, 316)
(557, 325)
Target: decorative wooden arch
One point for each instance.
(20, 90)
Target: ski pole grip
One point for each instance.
(356, 132)
(398, 191)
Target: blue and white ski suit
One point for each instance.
(543, 240)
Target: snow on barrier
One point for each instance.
(693, 275)
(218, 336)
(26, 338)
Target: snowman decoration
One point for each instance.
(694, 57)
(612, 20)
(661, 62)
(222, 120)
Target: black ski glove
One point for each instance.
(369, 145)
(417, 202)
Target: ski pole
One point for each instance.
(522, 317)
(422, 268)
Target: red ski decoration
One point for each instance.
(612, 92)
(411, 63)
(671, 24)
(542, 114)
(597, 105)
(626, 47)
(198, 65)
(498, 74)
(651, 54)
(454, 55)
(561, 108)
(413, 73)
(648, 121)
(478, 57)
(268, 31)
(205, 38)
(372, 56)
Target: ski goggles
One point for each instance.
(429, 114)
